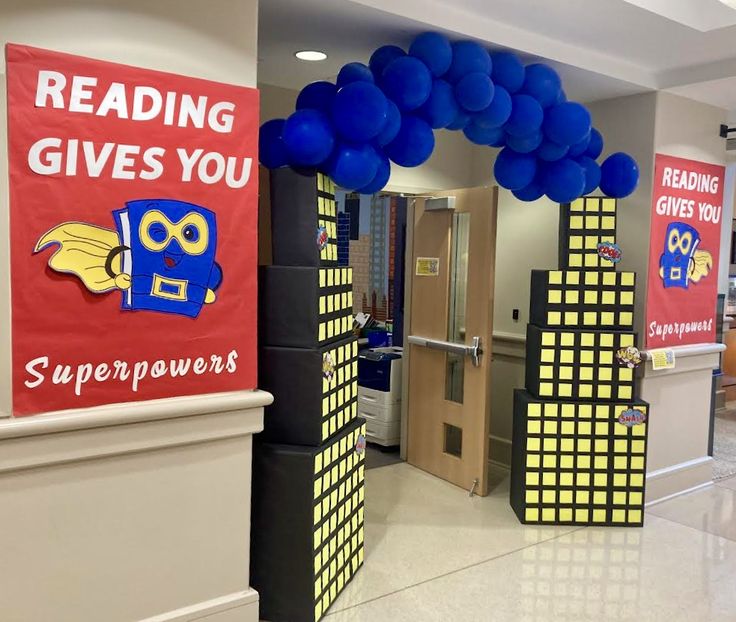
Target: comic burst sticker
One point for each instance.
(629, 357)
(328, 366)
(322, 237)
(631, 417)
(360, 444)
(609, 251)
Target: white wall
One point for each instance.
(216, 40)
(729, 197)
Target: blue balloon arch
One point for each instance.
(387, 112)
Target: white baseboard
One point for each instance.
(679, 479)
(236, 607)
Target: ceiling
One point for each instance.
(602, 48)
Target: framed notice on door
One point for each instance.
(685, 239)
(133, 209)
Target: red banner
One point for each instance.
(684, 244)
(133, 209)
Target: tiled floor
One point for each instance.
(433, 553)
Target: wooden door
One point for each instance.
(451, 303)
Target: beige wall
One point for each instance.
(216, 40)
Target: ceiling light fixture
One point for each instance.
(310, 55)
(729, 3)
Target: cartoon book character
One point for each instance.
(162, 256)
(682, 261)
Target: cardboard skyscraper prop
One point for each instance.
(580, 434)
(308, 470)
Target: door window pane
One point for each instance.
(459, 250)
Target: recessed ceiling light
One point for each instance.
(310, 55)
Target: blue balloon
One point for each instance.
(393, 123)
(592, 173)
(381, 177)
(353, 166)
(468, 57)
(531, 192)
(441, 108)
(474, 92)
(514, 170)
(308, 137)
(550, 152)
(413, 144)
(407, 82)
(564, 180)
(434, 50)
(318, 96)
(542, 83)
(526, 116)
(524, 144)
(508, 71)
(501, 140)
(562, 97)
(481, 135)
(595, 147)
(360, 111)
(271, 149)
(567, 123)
(619, 175)
(354, 72)
(498, 112)
(461, 120)
(382, 57)
(580, 148)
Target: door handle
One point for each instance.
(474, 351)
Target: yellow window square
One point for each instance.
(548, 356)
(582, 496)
(550, 444)
(572, 297)
(627, 298)
(567, 339)
(585, 391)
(583, 480)
(602, 411)
(590, 318)
(606, 357)
(548, 515)
(608, 318)
(532, 461)
(591, 278)
(619, 480)
(600, 480)
(550, 461)
(549, 339)
(606, 340)
(546, 389)
(555, 277)
(564, 390)
(534, 410)
(549, 496)
(637, 480)
(627, 279)
(608, 222)
(566, 372)
(625, 374)
(601, 445)
(587, 340)
(636, 498)
(586, 373)
(626, 318)
(609, 205)
(620, 463)
(567, 356)
(609, 278)
(554, 318)
(587, 357)
(592, 222)
(571, 318)
(554, 296)
(600, 462)
(624, 393)
(621, 446)
(627, 340)
(572, 278)
(585, 411)
(567, 445)
(576, 242)
(549, 479)
(534, 427)
(619, 516)
(591, 297)
(532, 444)
(550, 427)
(585, 428)
(566, 479)
(576, 222)
(608, 298)
(637, 463)
(531, 514)
(591, 242)
(575, 260)
(635, 516)
(546, 372)
(637, 447)
(578, 205)
(605, 373)
(639, 430)
(567, 462)
(592, 261)
(532, 496)
(581, 516)
(568, 427)
(550, 411)
(599, 497)
(599, 516)
(565, 515)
